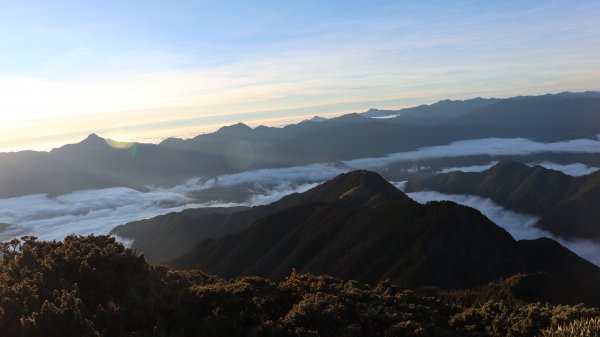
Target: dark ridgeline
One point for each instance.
(468, 277)
(365, 229)
(436, 113)
(568, 205)
(534, 190)
(94, 163)
(165, 237)
(358, 226)
(545, 118)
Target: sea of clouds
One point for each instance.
(99, 211)
(520, 226)
(475, 147)
(280, 176)
(574, 169)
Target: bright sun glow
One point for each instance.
(60, 81)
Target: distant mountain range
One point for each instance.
(96, 162)
(435, 113)
(547, 117)
(568, 205)
(358, 226)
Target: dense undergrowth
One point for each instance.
(580, 328)
(93, 286)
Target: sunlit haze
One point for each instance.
(146, 70)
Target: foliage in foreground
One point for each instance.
(579, 328)
(93, 286)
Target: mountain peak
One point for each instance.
(234, 129)
(317, 119)
(508, 166)
(93, 139)
(361, 185)
(348, 118)
(363, 177)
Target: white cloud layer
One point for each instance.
(99, 211)
(271, 176)
(486, 146)
(575, 169)
(473, 168)
(278, 193)
(520, 226)
(84, 212)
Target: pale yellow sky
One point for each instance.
(67, 73)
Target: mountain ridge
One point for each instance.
(564, 203)
(100, 163)
(369, 239)
(164, 237)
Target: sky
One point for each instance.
(145, 70)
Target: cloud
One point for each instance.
(84, 212)
(401, 185)
(269, 177)
(473, 168)
(575, 169)
(278, 193)
(99, 211)
(486, 146)
(382, 61)
(520, 226)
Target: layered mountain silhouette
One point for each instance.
(358, 226)
(435, 113)
(567, 206)
(546, 117)
(97, 163)
(556, 274)
(165, 237)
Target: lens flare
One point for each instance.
(129, 146)
(239, 155)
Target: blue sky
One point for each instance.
(142, 70)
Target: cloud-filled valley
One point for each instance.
(574, 169)
(99, 211)
(520, 226)
(487, 146)
(271, 176)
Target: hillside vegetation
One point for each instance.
(93, 286)
(583, 327)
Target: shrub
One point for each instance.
(589, 327)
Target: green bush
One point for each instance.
(93, 286)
